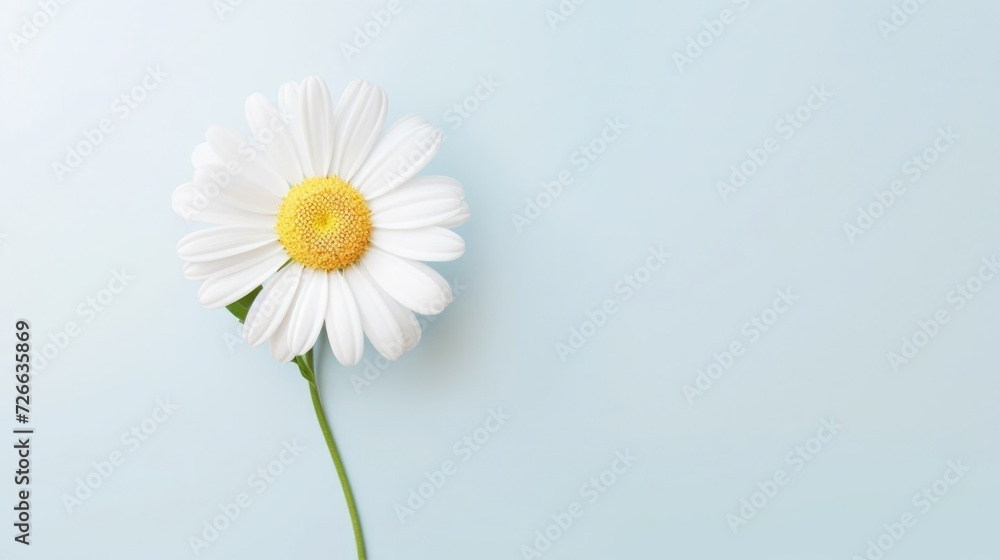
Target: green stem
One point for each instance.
(306, 368)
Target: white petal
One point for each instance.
(273, 133)
(390, 331)
(247, 161)
(316, 114)
(411, 283)
(424, 244)
(343, 322)
(458, 219)
(204, 155)
(290, 103)
(308, 311)
(190, 202)
(404, 149)
(357, 123)
(217, 183)
(420, 202)
(223, 289)
(279, 341)
(420, 188)
(271, 305)
(407, 321)
(222, 241)
(227, 265)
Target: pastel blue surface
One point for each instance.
(612, 315)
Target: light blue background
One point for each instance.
(496, 345)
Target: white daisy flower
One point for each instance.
(324, 210)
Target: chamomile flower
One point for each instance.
(324, 209)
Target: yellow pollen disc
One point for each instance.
(324, 223)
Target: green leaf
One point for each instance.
(305, 363)
(241, 307)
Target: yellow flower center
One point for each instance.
(324, 223)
